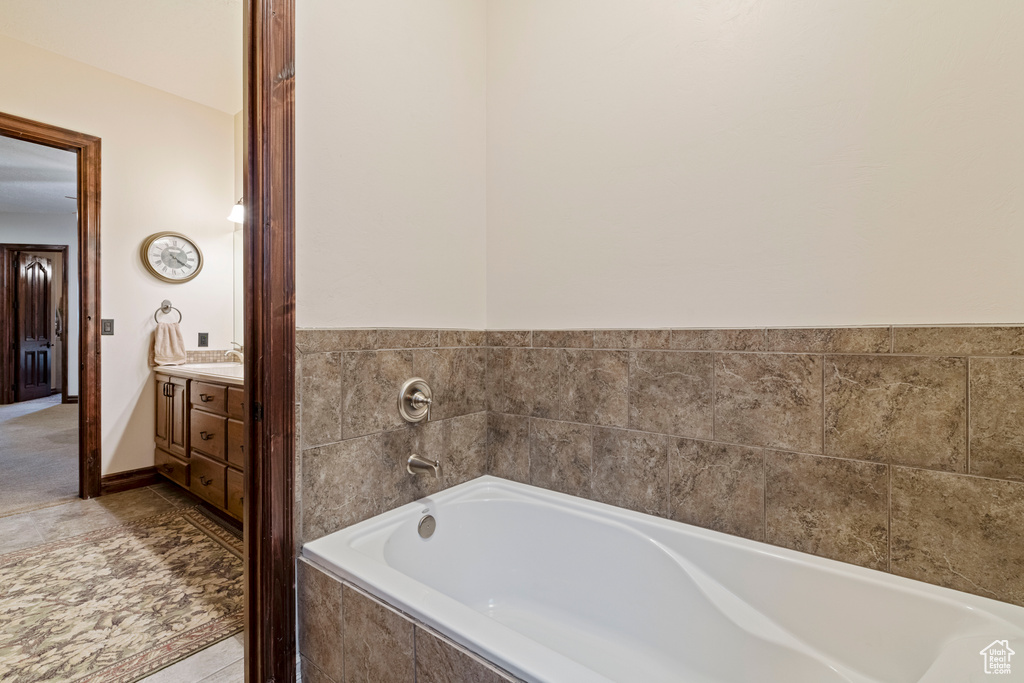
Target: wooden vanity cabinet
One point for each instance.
(200, 439)
(171, 415)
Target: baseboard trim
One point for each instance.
(126, 481)
(71, 399)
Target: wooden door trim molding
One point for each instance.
(87, 148)
(7, 294)
(269, 339)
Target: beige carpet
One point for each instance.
(38, 454)
(115, 605)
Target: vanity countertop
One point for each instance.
(223, 373)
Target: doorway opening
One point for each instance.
(40, 348)
(38, 427)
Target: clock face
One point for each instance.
(172, 257)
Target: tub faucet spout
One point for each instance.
(416, 464)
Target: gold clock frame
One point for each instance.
(148, 242)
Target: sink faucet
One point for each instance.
(236, 352)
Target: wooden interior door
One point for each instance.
(32, 302)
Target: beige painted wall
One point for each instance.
(52, 229)
(798, 162)
(390, 196)
(167, 165)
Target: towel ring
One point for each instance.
(166, 307)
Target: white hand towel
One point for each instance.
(168, 345)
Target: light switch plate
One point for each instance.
(204, 339)
(107, 326)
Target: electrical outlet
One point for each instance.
(204, 339)
(107, 326)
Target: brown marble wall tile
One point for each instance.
(371, 382)
(830, 339)
(497, 360)
(379, 642)
(751, 339)
(441, 661)
(465, 448)
(670, 393)
(564, 339)
(594, 387)
(687, 340)
(960, 341)
(321, 634)
(457, 378)
(462, 338)
(332, 498)
(769, 400)
(322, 395)
(326, 341)
(509, 338)
(313, 674)
(717, 486)
(960, 532)
(508, 446)
(904, 410)
(531, 382)
(560, 456)
(630, 470)
(997, 417)
(828, 507)
(735, 340)
(633, 339)
(392, 338)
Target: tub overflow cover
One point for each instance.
(427, 526)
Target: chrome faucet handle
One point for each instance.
(238, 347)
(417, 463)
(414, 400)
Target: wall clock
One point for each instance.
(171, 257)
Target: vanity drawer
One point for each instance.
(210, 397)
(207, 433)
(208, 479)
(236, 443)
(171, 467)
(236, 493)
(236, 403)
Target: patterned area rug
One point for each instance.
(117, 604)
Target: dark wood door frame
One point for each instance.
(87, 149)
(269, 339)
(7, 288)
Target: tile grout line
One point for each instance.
(714, 394)
(888, 521)
(764, 495)
(967, 409)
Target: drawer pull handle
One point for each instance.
(167, 468)
(205, 398)
(205, 436)
(204, 481)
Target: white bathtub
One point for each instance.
(563, 590)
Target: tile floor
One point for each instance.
(220, 663)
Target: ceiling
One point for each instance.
(189, 48)
(36, 179)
